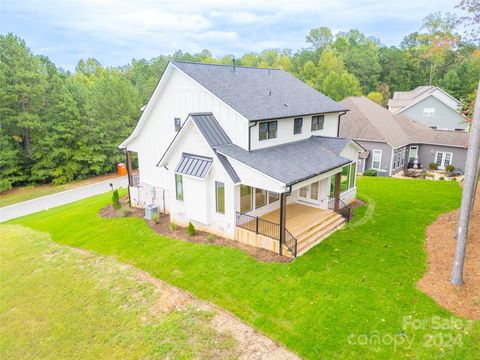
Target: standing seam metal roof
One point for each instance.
(194, 165)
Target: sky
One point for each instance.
(115, 31)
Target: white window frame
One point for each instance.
(402, 157)
(416, 152)
(442, 165)
(378, 151)
(429, 112)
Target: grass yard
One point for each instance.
(57, 302)
(347, 298)
(25, 193)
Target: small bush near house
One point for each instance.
(173, 226)
(210, 238)
(433, 166)
(370, 172)
(441, 178)
(429, 175)
(190, 229)
(155, 218)
(450, 168)
(126, 212)
(453, 179)
(116, 200)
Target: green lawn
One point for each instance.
(357, 285)
(59, 303)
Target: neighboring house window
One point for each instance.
(272, 197)
(443, 159)
(220, 197)
(317, 122)
(429, 112)
(260, 198)
(178, 123)
(402, 157)
(267, 130)
(297, 126)
(376, 159)
(179, 187)
(246, 196)
(395, 158)
(413, 154)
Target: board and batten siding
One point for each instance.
(285, 130)
(198, 205)
(180, 96)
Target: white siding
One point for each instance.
(180, 96)
(285, 131)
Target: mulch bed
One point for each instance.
(440, 246)
(162, 227)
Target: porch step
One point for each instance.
(311, 230)
(310, 223)
(317, 236)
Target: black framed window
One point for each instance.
(246, 198)
(272, 196)
(220, 197)
(297, 126)
(267, 130)
(317, 122)
(178, 123)
(260, 198)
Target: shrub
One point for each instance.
(190, 229)
(441, 178)
(210, 238)
(126, 212)
(433, 166)
(155, 218)
(173, 226)
(453, 179)
(116, 200)
(430, 175)
(449, 168)
(370, 172)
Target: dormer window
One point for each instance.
(178, 123)
(267, 130)
(317, 122)
(428, 112)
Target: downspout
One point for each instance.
(338, 122)
(250, 135)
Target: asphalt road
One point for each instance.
(50, 201)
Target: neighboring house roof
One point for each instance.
(292, 162)
(369, 121)
(213, 134)
(194, 165)
(259, 93)
(402, 100)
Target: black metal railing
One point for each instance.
(343, 209)
(266, 228)
(291, 243)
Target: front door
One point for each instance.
(443, 159)
(310, 192)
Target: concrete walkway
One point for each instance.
(60, 198)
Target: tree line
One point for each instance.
(58, 126)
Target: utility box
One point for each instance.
(151, 210)
(121, 169)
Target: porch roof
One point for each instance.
(292, 162)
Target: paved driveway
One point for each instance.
(61, 198)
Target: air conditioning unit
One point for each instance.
(151, 210)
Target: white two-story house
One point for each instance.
(246, 153)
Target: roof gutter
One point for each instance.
(312, 176)
(298, 115)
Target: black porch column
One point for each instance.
(338, 181)
(283, 222)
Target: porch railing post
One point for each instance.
(256, 225)
(282, 221)
(338, 181)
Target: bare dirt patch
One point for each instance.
(163, 227)
(440, 246)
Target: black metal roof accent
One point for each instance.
(194, 165)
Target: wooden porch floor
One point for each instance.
(300, 218)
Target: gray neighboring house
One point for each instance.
(429, 105)
(394, 142)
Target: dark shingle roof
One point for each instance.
(259, 93)
(367, 120)
(194, 165)
(292, 162)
